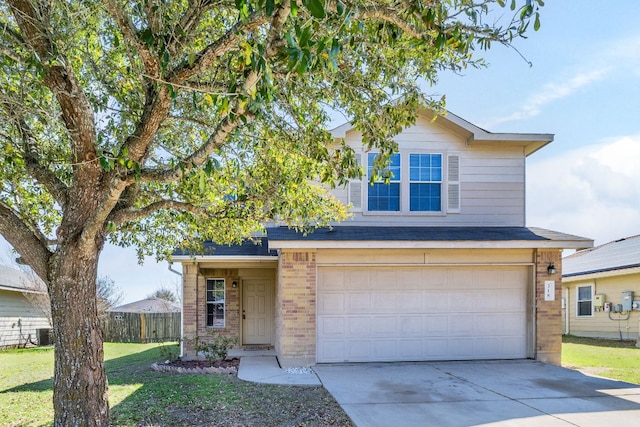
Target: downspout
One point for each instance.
(182, 306)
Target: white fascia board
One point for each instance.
(403, 244)
(601, 274)
(341, 131)
(209, 258)
(21, 290)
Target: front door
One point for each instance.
(257, 311)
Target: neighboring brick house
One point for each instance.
(601, 291)
(437, 264)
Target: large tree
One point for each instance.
(159, 124)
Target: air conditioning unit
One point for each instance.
(45, 336)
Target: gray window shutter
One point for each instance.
(355, 190)
(453, 183)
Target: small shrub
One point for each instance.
(169, 352)
(215, 348)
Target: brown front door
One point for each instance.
(257, 311)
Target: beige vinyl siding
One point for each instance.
(599, 325)
(18, 319)
(492, 181)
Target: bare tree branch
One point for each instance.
(29, 243)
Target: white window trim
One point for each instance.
(404, 187)
(578, 300)
(224, 298)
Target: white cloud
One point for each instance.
(549, 93)
(593, 191)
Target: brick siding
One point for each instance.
(296, 308)
(548, 313)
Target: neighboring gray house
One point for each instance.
(601, 290)
(24, 316)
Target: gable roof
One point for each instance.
(472, 134)
(612, 258)
(12, 279)
(148, 305)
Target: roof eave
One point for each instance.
(405, 244)
(198, 258)
(599, 274)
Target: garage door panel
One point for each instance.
(383, 326)
(418, 313)
(331, 303)
(384, 302)
(410, 326)
(409, 302)
(358, 303)
(382, 280)
(357, 279)
(435, 326)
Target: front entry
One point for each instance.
(257, 311)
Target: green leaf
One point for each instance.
(104, 163)
(500, 2)
(536, 24)
(270, 7)
(294, 8)
(316, 7)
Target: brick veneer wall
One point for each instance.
(548, 313)
(194, 314)
(296, 309)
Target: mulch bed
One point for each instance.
(229, 366)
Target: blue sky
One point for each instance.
(584, 87)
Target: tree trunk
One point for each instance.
(80, 383)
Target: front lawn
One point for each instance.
(141, 397)
(615, 359)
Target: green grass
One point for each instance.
(141, 396)
(615, 359)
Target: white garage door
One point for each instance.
(424, 313)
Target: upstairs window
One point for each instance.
(383, 196)
(585, 301)
(215, 303)
(425, 182)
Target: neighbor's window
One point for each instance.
(384, 196)
(425, 182)
(215, 303)
(585, 301)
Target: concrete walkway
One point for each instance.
(265, 369)
(496, 393)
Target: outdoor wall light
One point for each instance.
(551, 269)
(234, 284)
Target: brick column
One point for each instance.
(189, 308)
(548, 313)
(296, 309)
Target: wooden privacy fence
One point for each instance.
(141, 327)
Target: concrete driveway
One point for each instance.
(497, 393)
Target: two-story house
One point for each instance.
(436, 264)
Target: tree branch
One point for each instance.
(122, 216)
(208, 55)
(40, 172)
(76, 111)
(29, 243)
(150, 60)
